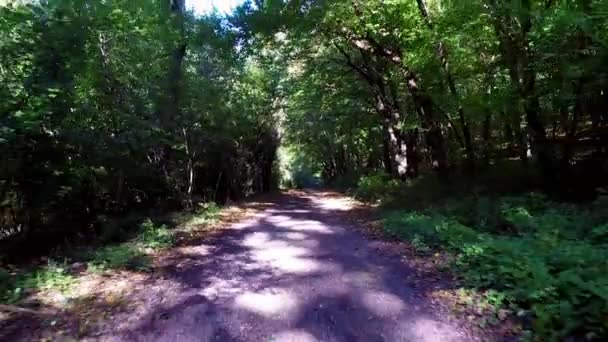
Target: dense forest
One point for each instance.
(113, 107)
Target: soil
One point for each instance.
(300, 268)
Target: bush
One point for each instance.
(50, 277)
(132, 255)
(123, 256)
(376, 187)
(548, 258)
(154, 236)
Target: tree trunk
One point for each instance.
(423, 102)
(386, 148)
(442, 54)
(190, 161)
(171, 108)
(486, 136)
(412, 153)
(433, 133)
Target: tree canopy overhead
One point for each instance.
(109, 106)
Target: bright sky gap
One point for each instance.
(207, 6)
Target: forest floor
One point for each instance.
(296, 266)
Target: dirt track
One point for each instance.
(297, 271)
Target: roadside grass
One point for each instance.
(133, 251)
(521, 254)
(53, 276)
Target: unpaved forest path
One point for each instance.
(300, 270)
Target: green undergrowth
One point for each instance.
(120, 247)
(546, 259)
(53, 276)
(133, 254)
(205, 214)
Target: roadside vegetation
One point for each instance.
(121, 248)
(542, 261)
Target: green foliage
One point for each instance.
(296, 170)
(153, 236)
(540, 255)
(205, 214)
(50, 277)
(128, 256)
(99, 116)
(133, 254)
(377, 187)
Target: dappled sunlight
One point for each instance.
(283, 255)
(220, 287)
(277, 219)
(245, 224)
(256, 239)
(294, 236)
(271, 303)
(334, 203)
(299, 211)
(359, 279)
(305, 225)
(276, 278)
(195, 251)
(294, 335)
(288, 259)
(289, 210)
(382, 304)
(428, 330)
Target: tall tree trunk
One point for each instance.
(433, 133)
(394, 142)
(423, 102)
(171, 108)
(190, 174)
(538, 137)
(412, 153)
(486, 134)
(386, 148)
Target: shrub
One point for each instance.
(132, 255)
(376, 187)
(153, 236)
(551, 262)
(123, 256)
(50, 277)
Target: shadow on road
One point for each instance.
(298, 271)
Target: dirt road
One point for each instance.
(298, 271)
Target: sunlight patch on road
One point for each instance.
(222, 288)
(195, 251)
(288, 256)
(270, 303)
(359, 279)
(339, 204)
(295, 236)
(382, 304)
(424, 329)
(276, 219)
(305, 225)
(257, 239)
(245, 224)
(289, 259)
(294, 335)
(299, 211)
